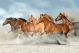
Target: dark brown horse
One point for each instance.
(51, 27)
(12, 22)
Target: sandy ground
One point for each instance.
(9, 43)
(16, 46)
(39, 49)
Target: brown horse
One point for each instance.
(32, 19)
(12, 22)
(38, 27)
(29, 27)
(62, 16)
(74, 25)
(65, 22)
(51, 27)
(24, 25)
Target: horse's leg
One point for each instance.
(19, 35)
(75, 32)
(42, 27)
(66, 34)
(9, 31)
(61, 33)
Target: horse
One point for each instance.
(12, 22)
(51, 27)
(32, 19)
(38, 27)
(28, 26)
(61, 16)
(24, 25)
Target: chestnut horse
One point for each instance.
(65, 22)
(74, 25)
(29, 27)
(51, 27)
(24, 25)
(32, 19)
(38, 27)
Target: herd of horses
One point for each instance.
(45, 23)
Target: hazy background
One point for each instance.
(24, 8)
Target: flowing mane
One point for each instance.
(48, 17)
(11, 18)
(23, 19)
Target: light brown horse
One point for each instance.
(39, 26)
(74, 25)
(62, 16)
(29, 27)
(32, 19)
(51, 27)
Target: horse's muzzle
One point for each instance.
(3, 24)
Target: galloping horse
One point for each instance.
(51, 27)
(65, 22)
(27, 26)
(38, 27)
(12, 22)
(32, 19)
(24, 25)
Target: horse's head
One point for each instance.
(9, 20)
(60, 16)
(31, 18)
(41, 19)
(44, 18)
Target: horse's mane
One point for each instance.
(49, 17)
(11, 18)
(23, 19)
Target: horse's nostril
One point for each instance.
(3, 24)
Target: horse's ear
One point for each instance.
(31, 15)
(63, 13)
(60, 13)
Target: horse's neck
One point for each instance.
(34, 20)
(12, 25)
(66, 21)
(47, 22)
(22, 24)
